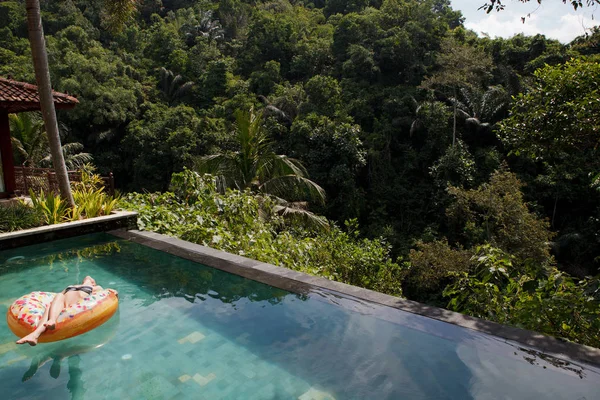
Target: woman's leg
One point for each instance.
(32, 338)
(58, 304)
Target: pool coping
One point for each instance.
(25, 237)
(299, 282)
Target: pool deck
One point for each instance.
(299, 282)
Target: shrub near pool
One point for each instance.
(18, 216)
(242, 223)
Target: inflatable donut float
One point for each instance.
(25, 313)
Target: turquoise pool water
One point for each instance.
(186, 331)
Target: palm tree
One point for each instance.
(117, 11)
(460, 65)
(30, 142)
(42, 76)
(481, 108)
(173, 86)
(256, 167)
(75, 158)
(204, 25)
(29, 138)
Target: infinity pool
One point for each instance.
(186, 331)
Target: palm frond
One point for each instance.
(28, 130)
(172, 86)
(274, 165)
(463, 113)
(472, 100)
(166, 77)
(182, 90)
(459, 104)
(243, 122)
(256, 166)
(416, 125)
(214, 164)
(494, 101)
(175, 83)
(18, 146)
(415, 104)
(293, 186)
(473, 121)
(106, 135)
(77, 161)
(71, 148)
(38, 148)
(301, 216)
(223, 166)
(493, 114)
(255, 144)
(270, 109)
(73, 154)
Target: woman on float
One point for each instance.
(72, 294)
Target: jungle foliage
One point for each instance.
(242, 223)
(444, 147)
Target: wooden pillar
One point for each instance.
(8, 167)
(111, 181)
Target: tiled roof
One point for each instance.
(20, 96)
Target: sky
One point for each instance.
(552, 18)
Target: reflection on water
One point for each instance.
(67, 349)
(187, 330)
(75, 385)
(534, 357)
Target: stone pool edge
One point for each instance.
(299, 282)
(46, 233)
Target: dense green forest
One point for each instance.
(461, 170)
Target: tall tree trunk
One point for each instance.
(42, 76)
(454, 127)
(554, 211)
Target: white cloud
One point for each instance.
(553, 19)
(501, 26)
(571, 26)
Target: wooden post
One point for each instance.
(8, 167)
(24, 172)
(111, 181)
(50, 185)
